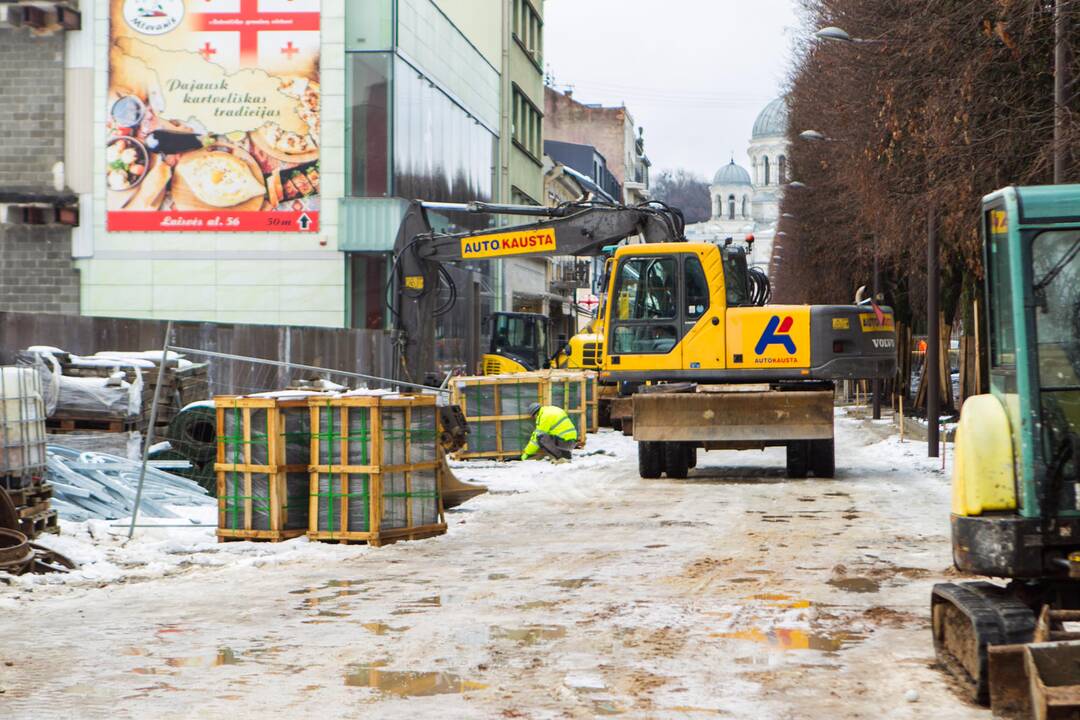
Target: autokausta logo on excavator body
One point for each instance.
(777, 332)
(521, 242)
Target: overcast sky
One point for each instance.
(693, 73)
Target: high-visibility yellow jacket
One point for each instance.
(550, 420)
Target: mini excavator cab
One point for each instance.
(1016, 476)
(519, 343)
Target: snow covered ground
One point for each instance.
(567, 591)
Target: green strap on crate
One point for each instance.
(333, 438)
(237, 478)
(234, 500)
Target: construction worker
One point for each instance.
(554, 435)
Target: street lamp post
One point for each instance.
(933, 339)
(1060, 80)
(875, 285)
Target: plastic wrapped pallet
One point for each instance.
(22, 427)
(375, 446)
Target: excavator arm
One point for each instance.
(578, 228)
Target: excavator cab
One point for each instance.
(519, 343)
(1016, 475)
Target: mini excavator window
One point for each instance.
(522, 337)
(1055, 257)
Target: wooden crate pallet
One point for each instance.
(260, 535)
(262, 478)
(72, 424)
(386, 537)
(496, 409)
(592, 400)
(381, 455)
(23, 482)
(38, 523)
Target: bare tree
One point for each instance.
(953, 99)
(686, 191)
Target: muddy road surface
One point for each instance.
(570, 591)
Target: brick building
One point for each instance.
(36, 269)
(610, 130)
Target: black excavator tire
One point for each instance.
(823, 458)
(650, 460)
(676, 460)
(798, 458)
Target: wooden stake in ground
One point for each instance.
(901, 418)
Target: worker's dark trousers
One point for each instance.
(555, 447)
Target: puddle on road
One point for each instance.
(224, 656)
(409, 684)
(787, 639)
(382, 628)
(329, 585)
(691, 709)
(530, 634)
(415, 606)
(780, 600)
(856, 584)
(572, 583)
(607, 707)
(331, 613)
(538, 604)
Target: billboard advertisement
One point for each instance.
(213, 116)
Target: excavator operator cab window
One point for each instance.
(697, 288)
(646, 293)
(656, 301)
(1055, 257)
(735, 281)
(520, 337)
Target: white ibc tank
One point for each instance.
(22, 423)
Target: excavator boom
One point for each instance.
(579, 228)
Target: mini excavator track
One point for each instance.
(969, 617)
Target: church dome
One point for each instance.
(731, 174)
(772, 120)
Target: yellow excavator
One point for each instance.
(715, 368)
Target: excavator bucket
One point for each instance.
(454, 491)
(1053, 670)
(1010, 689)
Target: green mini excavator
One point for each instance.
(1016, 478)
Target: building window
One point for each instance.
(766, 169)
(368, 120)
(782, 170)
(745, 204)
(368, 286)
(440, 152)
(529, 30)
(527, 129)
(731, 207)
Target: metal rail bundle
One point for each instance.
(98, 485)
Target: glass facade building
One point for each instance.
(421, 121)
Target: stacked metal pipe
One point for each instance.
(98, 485)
